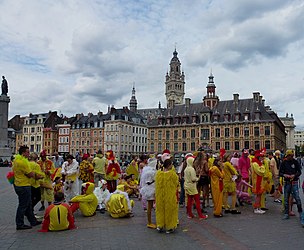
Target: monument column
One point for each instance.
(5, 151)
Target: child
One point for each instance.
(58, 216)
(148, 188)
(101, 192)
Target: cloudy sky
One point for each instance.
(81, 56)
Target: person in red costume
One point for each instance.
(58, 216)
(113, 171)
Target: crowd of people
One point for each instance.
(100, 184)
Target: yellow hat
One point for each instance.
(277, 152)
(289, 152)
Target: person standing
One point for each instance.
(291, 171)
(70, 171)
(36, 190)
(230, 175)
(258, 172)
(166, 183)
(100, 167)
(148, 188)
(48, 168)
(22, 186)
(216, 176)
(191, 190)
(275, 164)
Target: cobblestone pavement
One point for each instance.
(245, 231)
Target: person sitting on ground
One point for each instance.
(118, 203)
(58, 216)
(86, 202)
(102, 194)
(131, 186)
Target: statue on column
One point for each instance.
(4, 86)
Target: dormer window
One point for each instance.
(246, 117)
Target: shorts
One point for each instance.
(276, 182)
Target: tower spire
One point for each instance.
(133, 101)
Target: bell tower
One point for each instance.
(175, 83)
(210, 99)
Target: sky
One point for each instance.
(82, 56)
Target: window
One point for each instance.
(205, 134)
(267, 130)
(159, 135)
(236, 145)
(152, 135)
(159, 147)
(175, 147)
(227, 134)
(256, 131)
(32, 138)
(175, 134)
(192, 133)
(167, 145)
(236, 132)
(32, 130)
(246, 144)
(184, 134)
(246, 131)
(192, 146)
(218, 132)
(227, 145)
(184, 146)
(168, 135)
(217, 145)
(256, 145)
(267, 144)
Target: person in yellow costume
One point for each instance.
(118, 203)
(230, 175)
(257, 176)
(48, 168)
(267, 182)
(22, 186)
(35, 190)
(166, 185)
(133, 168)
(216, 176)
(86, 202)
(58, 216)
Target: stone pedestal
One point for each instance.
(5, 151)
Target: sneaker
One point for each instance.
(285, 217)
(227, 211)
(277, 201)
(23, 227)
(262, 211)
(159, 229)
(258, 211)
(204, 217)
(169, 231)
(264, 208)
(153, 226)
(190, 216)
(42, 208)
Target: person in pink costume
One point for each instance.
(244, 166)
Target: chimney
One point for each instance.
(260, 99)
(256, 96)
(187, 102)
(236, 98)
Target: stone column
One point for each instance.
(5, 151)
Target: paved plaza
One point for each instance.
(245, 231)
